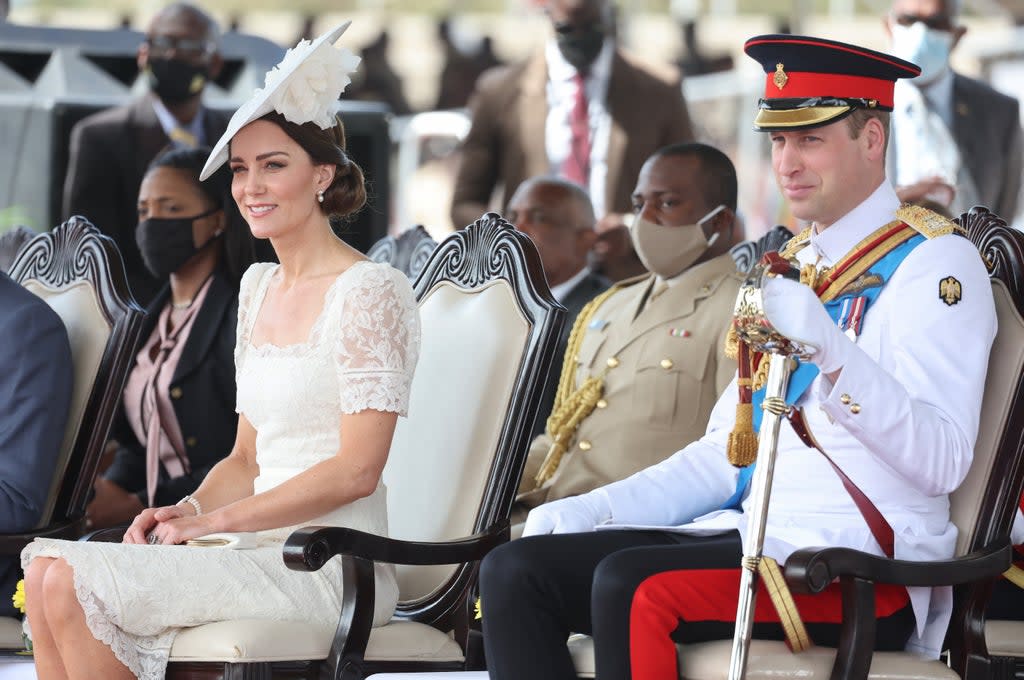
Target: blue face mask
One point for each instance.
(929, 48)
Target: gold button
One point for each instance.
(855, 408)
(705, 288)
(846, 399)
(602, 403)
(666, 364)
(612, 362)
(584, 445)
(175, 393)
(190, 442)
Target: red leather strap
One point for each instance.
(878, 525)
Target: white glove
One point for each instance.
(570, 515)
(797, 313)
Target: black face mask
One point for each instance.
(580, 47)
(166, 243)
(174, 80)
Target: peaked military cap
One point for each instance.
(812, 81)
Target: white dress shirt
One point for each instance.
(917, 381)
(561, 96)
(925, 146)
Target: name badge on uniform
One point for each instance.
(597, 324)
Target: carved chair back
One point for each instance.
(489, 325)
(408, 253)
(80, 274)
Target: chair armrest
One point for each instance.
(811, 570)
(13, 544)
(309, 548)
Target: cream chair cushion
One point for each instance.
(471, 346)
(256, 640)
(88, 332)
(1005, 638)
(773, 661)
(1006, 361)
(10, 633)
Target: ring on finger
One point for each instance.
(153, 539)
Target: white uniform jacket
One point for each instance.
(905, 437)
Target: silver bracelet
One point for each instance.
(193, 501)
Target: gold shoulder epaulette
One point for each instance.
(795, 244)
(927, 222)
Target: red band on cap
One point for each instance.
(804, 85)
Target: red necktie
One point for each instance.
(576, 167)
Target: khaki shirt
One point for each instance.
(666, 368)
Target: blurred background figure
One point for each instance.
(558, 218)
(693, 61)
(376, 80)
(462, 66)
(955, 140)
(110, 150)
(178, 417)
(579, 108)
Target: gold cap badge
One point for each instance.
(780, 78)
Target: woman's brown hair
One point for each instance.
(347, 193)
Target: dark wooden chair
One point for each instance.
(747, 253)
(79, 272)
(997, 647)
(489, 332)
(408, 253)
(982, 508)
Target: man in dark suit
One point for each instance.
(557, 215)
(955, 140)
(581, 108)
(36, 378)
(110, 150)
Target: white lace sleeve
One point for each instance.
(378, 343)
(247, 292)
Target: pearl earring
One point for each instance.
(320, 196)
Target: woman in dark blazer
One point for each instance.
(178, 413)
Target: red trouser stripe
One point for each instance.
(695, 595)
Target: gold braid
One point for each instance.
(572, 405)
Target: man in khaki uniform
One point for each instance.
(646, 359)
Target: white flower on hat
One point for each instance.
(313, 80)
(304, 88)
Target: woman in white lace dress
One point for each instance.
(326, 347)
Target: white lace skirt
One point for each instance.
(137, 598)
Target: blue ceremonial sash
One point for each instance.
(840, 311)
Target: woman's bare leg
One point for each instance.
(84, 656)
(49, 665)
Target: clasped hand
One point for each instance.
(797, 313)
(169, 525)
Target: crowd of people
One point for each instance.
(276, 359)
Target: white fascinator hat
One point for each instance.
(304, 88)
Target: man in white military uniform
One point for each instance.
(894, 399)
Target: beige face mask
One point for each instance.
(667, 251)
